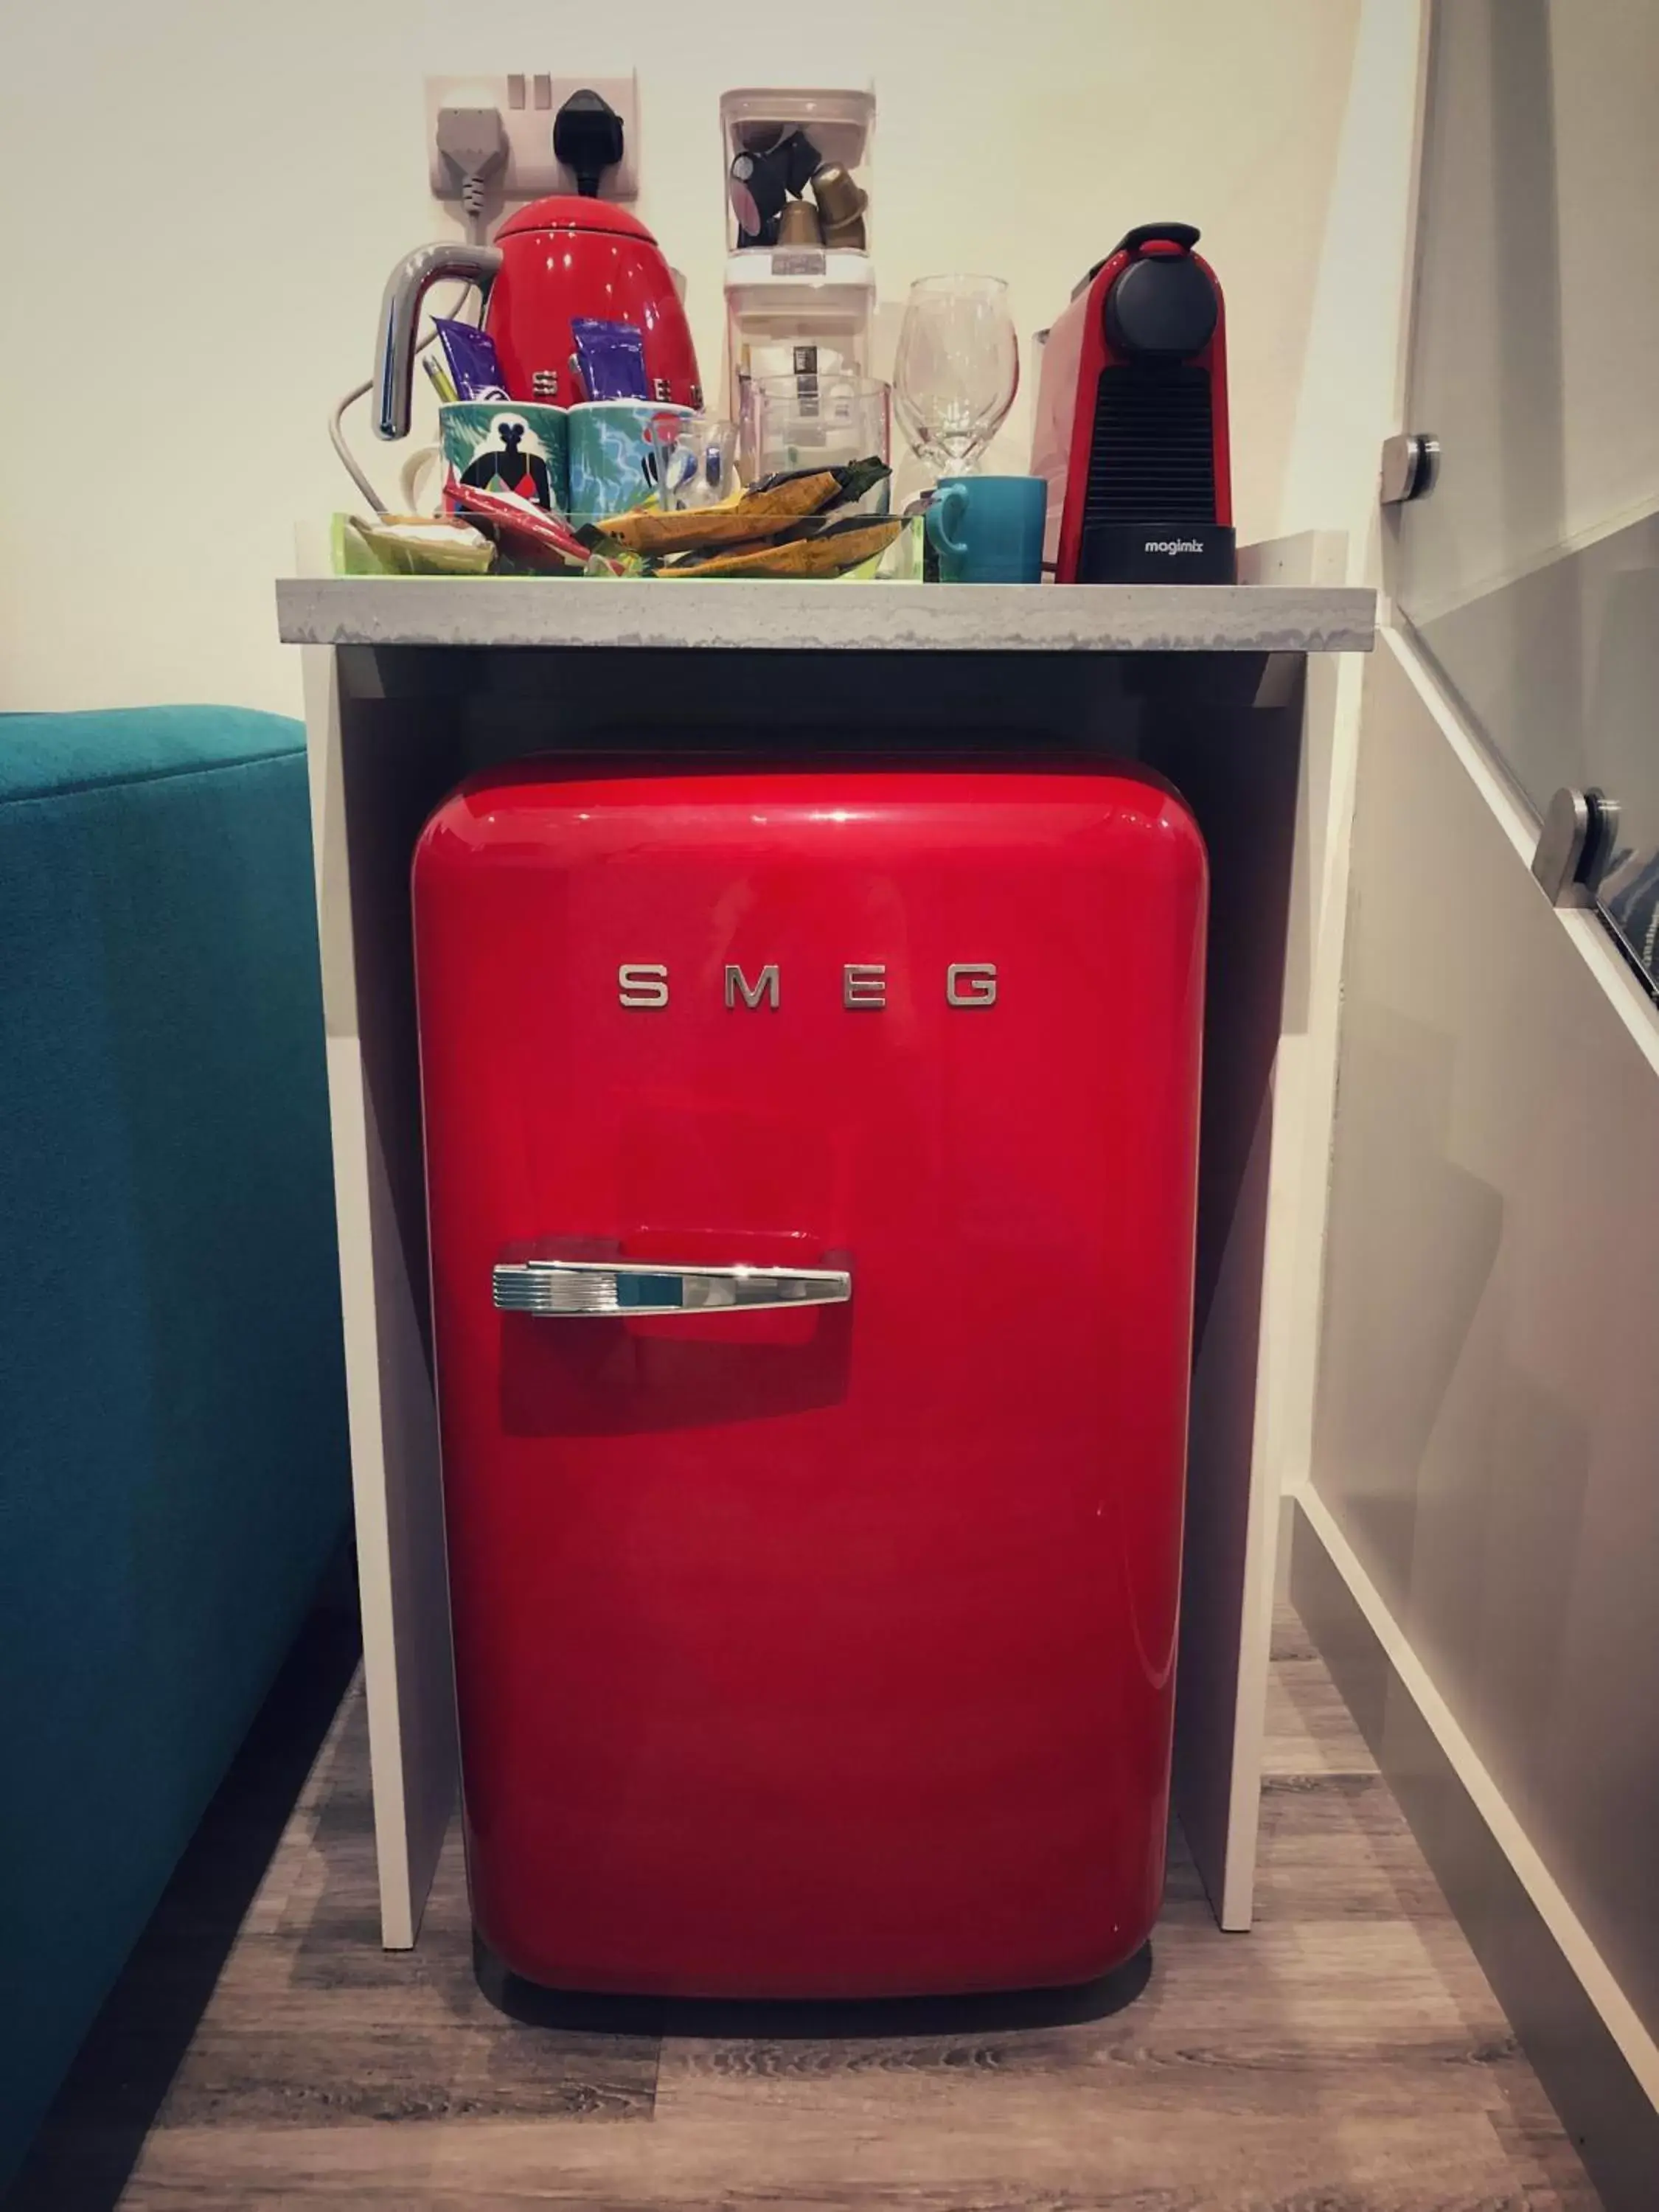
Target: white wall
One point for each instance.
(206, 199)
(1347, 405)
(1328, 509)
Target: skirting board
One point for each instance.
(1505, 1909)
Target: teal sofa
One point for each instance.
(173, 1444)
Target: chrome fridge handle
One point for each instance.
(573, 1288)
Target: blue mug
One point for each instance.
(988, 530)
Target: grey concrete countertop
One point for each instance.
(654, 616)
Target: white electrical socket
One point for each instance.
(527, 103)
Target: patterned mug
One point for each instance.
(498, 445)
(612, 456)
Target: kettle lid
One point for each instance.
(570, 211)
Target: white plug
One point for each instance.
(473, 142)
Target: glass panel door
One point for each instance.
(1530, 573)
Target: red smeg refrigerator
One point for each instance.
(810, 1172)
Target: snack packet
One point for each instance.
(474, 369)
(526, 533)
(423, 545)
(610, 357)
(763, 511)
(817, 547)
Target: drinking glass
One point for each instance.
(957, 369)
(696, 459)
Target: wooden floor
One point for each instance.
(1345, 2057)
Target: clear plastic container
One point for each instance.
(795, 313)
(797, 169)
(817, 422)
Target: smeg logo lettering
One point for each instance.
(642, 985)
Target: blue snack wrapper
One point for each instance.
(474, 369)
(611, 358)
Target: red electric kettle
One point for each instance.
(554, 260)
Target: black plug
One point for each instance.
(588, 137)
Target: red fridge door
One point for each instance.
(810, 1167)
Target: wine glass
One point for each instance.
(956, 370)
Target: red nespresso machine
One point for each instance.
(1131, 420)
(568, 256)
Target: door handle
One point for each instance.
(572, 1288)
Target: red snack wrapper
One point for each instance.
(525, 531)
